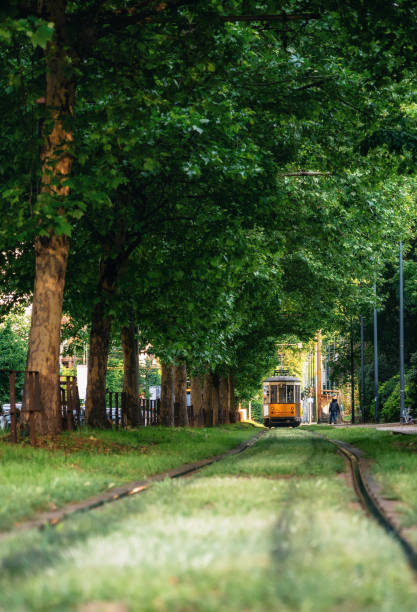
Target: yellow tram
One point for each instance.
(281, 400)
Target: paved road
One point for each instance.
(395, 427)
(403, 429)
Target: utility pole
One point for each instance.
(362, 373)
(313, 379)
(311, 370)
(376, 375)
(318, 377)
(402, 386)
(352, 374)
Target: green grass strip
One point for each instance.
(393, 464)
(231, 538)
(85, 463)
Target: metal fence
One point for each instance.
(30, 405)
(72, 413)
(116, 408)
(147, 410)
(19, 416)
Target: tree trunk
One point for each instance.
(231, 404)
(100, 340)
(131, 374)
(224, 397)
(207, 401)
(181, 393)
(45, 329)
(197, 400)
(97, 366)
(215, 399)
(51, 252)
(167, 395)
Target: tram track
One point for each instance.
(361, 480)
(53, 518)
(370, 500)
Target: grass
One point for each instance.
(80, 464)
(393, 464)
(254, 532)
(289, 454)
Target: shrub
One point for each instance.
(389, 394)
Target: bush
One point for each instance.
(412, 382)
(389, 394)
(13, 348)
(257, 414)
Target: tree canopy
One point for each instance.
(219, 173)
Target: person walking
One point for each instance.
(306, 411)
(334, 409)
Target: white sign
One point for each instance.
(155, 393)
(82, 381)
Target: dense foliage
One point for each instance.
(226, 182)
(14, 334)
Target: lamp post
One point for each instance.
(352, 373)
(362, 373)
(376, 375)
(402, 385)
(318, 376)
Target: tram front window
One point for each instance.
(290, 394)
(282, 394)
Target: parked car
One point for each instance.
(5, 417)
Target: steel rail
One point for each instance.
(55, 517)
(369, 500)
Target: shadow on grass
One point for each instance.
(40, 550)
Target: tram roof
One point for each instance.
(292, 379)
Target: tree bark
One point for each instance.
(215, 399)
(97, 366)
(51, 252)
(197, 400)
(207, 401)
(181, 393)
(167, 395)
(231, 400)
(131, 374)
(45, 329)
(100, 340)
(224, 397)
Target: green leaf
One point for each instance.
(42, 35)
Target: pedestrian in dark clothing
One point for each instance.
(334, 409)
